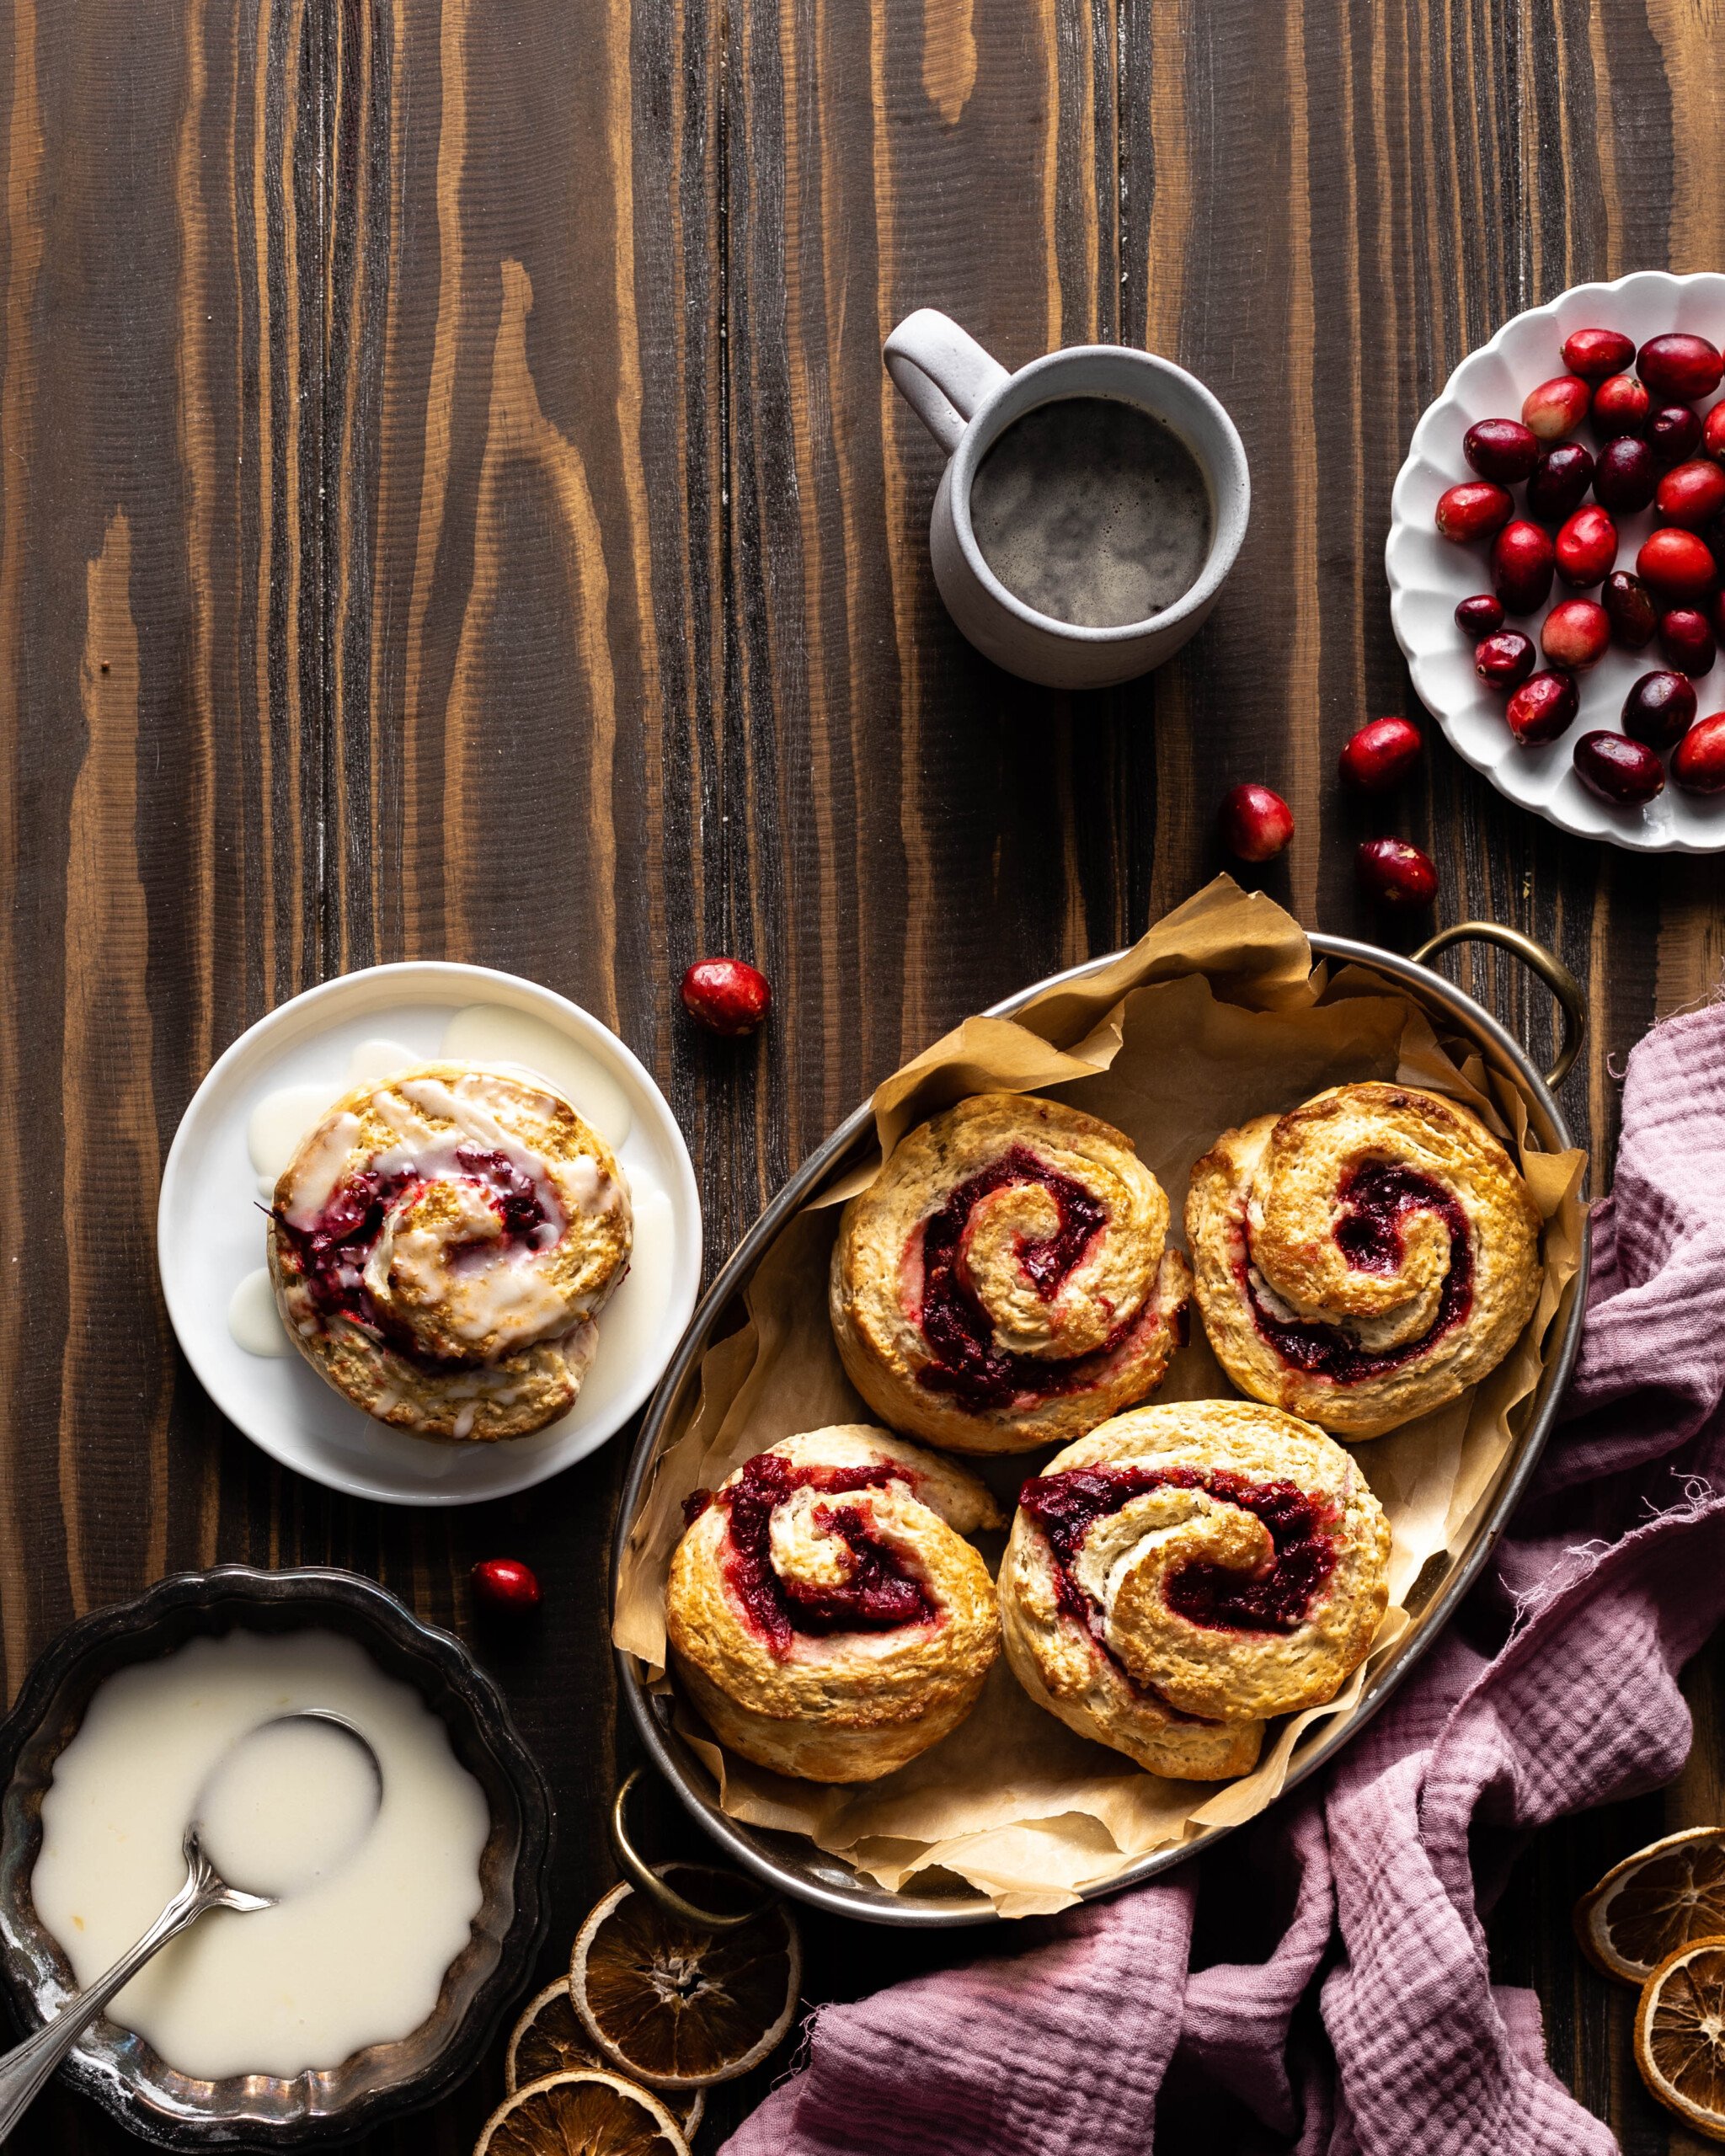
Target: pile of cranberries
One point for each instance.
(1653, 451)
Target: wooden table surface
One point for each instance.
(451, 504)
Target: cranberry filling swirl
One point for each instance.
(442, 1244)
(1005, 1282)
(826, 1613)
(1185, 1571)
(1364, 1259)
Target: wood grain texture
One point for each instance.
(451, 504)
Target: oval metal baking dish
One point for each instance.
(795, 1866)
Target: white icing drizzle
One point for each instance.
(489, 1034)
(254, 1319)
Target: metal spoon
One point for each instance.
(23, 2070)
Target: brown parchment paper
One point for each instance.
(1217, 1015)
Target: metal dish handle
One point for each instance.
(642, 1874)
(1571, 998)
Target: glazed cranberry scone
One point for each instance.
(1183, 1573)
(1364, 1259)
(826, 1615)
(1006, 1281)
(442, 1245)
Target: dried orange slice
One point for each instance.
(1679, 2035)
(587, 2112)
(679, 2005)
(549, 2039)
(1654, 1902)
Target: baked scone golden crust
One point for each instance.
(1185, 1571)
(825, 1612)
(1004, 1282)
(442, 1245)
(1364, 1259)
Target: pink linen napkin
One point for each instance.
(1371, 2025)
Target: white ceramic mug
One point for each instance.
(966, 400)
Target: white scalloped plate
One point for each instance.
(1428, 575)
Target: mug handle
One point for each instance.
(1571, 997)
(940, 371)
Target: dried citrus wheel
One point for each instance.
(1654, 1901)
(587, 2112)
(1679, 2035)
(549, 2039)
(674, 2002)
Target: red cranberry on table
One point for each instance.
(1686, 638)
(1621, 407)
(1575, 635)
(727, 995)
(1676, 565)
(1559, 481)
(1658, 709)
(1542, 708)
(1505, 660)
(1691, 495)
(1617, 769)
(1698, 764)
(1522, 564)
(1713, 431)
(1383, 750)
(505, 1584)
(1674, 433)
(1395, 872)
(1482, 615)
(1593, 354)
(1630, 605)
(1680, 367)
(1474, 509)
(1586, 545)
(1502, 450)
(1625, 474)
(1557, 407)
(1254, 822)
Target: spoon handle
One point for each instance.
(23, 2070)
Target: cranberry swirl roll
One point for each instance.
(1185, 1571)
(825, 1612)
(1005, 1282)
(1364, 1259)
(442, 1245)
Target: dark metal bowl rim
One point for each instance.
(684, 1775)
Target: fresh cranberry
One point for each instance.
(1692, 494)
(1505, 660)
(1630, 604)
(1658, 709)
(1625, 474)
(1676, 565)
(1674, 433)
(1395, 872)
(1617, 769)
(1255, 824)
(1576, 634)
(1586, 545)
(1502, 450)
(1522, 564)
(1559, 481)
(1713, 430)
(505, 1584)
(1542, 708)
(1482, 615)
(1593, 354)
(1557, 407)
(1383, 752)
(1698, 766)
(727, 995)
(1475, 510)
(1680, 368)
(1621, 407)
(1686, 638)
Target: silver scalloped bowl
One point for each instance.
(117, 2068)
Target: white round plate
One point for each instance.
(210, 1236)
(1428, 574)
